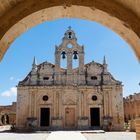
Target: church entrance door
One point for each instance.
(70, 117)
(44, 117)
(95, 116)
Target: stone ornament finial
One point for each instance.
(34, 65)
(105, 65)
(104, 61)
(34, 61)
(69, 27)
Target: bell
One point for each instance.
(75, 55)
(63, 55)
(70, 35)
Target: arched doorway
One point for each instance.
(114, 14)
(5, 119)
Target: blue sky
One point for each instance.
(40, 41)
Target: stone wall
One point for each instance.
(61, 99)
(138, 129)
(8, 114)
(132, 107)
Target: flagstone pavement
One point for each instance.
(66, 135)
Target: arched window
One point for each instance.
(69, 35)
(63, 60)
(75, 59)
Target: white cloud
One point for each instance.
(11, 78)
(11, 92)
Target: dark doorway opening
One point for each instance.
(5, 119)
(45, 117)
(95, 116)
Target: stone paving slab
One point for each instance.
(66, 135)
(111, 136)
(14, 136)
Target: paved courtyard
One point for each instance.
(14, 136)
(66, 135)
(112, 136)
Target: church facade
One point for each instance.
(70, 98)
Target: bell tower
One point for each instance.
(69, 49)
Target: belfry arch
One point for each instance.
(121, 16)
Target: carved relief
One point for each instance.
(69, 99)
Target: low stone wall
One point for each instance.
(138, 129)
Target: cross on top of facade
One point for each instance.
(69, 27)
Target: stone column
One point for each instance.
(105, 113)
(107, 103)
(69, 63)
(32, 107)
(57, 62)
(57, 68)
(57, 104)
(60, 105)
(30, 104)
(79, 96)
(35, 115)
(33, 104)
(69, 68)
(110, 104)
(85, 105)
(54, 105)
(81, 63)
(82, 104)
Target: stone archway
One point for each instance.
(4, 118)
(122, 16)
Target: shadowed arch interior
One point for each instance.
(21, 15)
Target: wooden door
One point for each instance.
(70, 117)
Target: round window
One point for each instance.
(69, 46)
(45, 98)
(94, 97)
